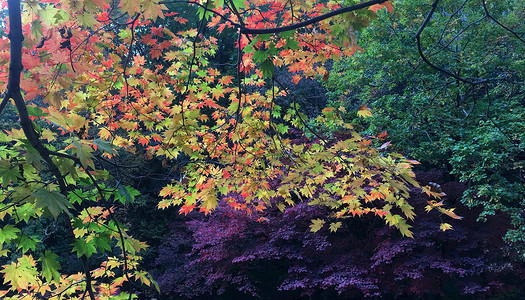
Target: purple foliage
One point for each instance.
(280, 258)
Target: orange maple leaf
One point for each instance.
(185, 209)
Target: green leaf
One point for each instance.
(219, 3)
(267, 68)
(52, 202)
(84, 249)
(287, 34)
(36, 29)
(103, 241)
(260, 56)
(50, 266)
(126, 193)
(76, 196)
(27, 243)
(36, 111)
(408, 210)
(26, 212)
(87, 19)
(8, 233)
(292, 44)
(404, 228)
(282, 129)
(105, 147)
(202, 13)
(8, 173)
(239, 4)
(84, 154)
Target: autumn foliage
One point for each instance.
(101, 78)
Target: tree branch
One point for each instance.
(13, 92)
(246, 30)
(425, 59)
(497, 22)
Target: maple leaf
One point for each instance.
(139, 60)
(364, 111)
(449, 212)
(408, 210)
(335, 226)
(8, 173)
(167, 190)
(130, 6)
(445, 226)
(83, 153)
(316, 225)
(87, 19)
(209, 201)
(52, 201)
(185, 209)
(377, 7)
(50, 266)
(152, 9)
(22, 274)
(48, 15)
(8, 233)
(84, 248)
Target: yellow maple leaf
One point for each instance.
(364, 111)
(152, 9)
(21, 274)
(130, 6)
(316, 225)
(445, 226)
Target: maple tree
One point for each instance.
(101, 97)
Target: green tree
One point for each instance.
(457, 102)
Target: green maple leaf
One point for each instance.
(8, 233)
(87, 19)
(52, 202)
(152, 9)
(282, 129)
(26, 211)
(48, 14)
(239, 4)
(84, 154)
(27, 243)
(103, 241)
(105, 147)
(126, 193)
(50, 266)
(36, 29)
(404, 228)
(83, 248)
(408, 210)
(8, 173)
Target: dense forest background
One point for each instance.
(443, 84)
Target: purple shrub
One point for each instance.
(280, 258)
